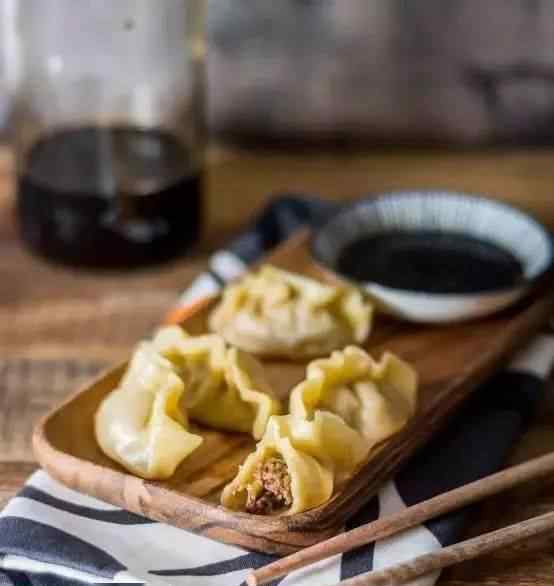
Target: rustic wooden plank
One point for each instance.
(12, 476)
(28, 389)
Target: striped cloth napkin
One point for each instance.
(53, 536)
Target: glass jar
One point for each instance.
(109, 128)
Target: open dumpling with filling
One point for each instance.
(296, 465)
(278, 313)
(225, 387)
(140, 424)
(374, 398)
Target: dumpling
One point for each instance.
(225, 388)
(296, 465)
(277, 313)
(327, 438)
(374, 398)
(140, 424)
(279, 478)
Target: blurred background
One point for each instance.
(394, 71)
(457, 71)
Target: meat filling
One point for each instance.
(275, 494)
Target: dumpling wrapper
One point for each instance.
(374, 398)
(140, 424)
(278, 313)
(327, 438)
(311, 480)
(225, 388)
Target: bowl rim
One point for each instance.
(370, 201)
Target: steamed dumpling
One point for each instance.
(278, 477)
(140, 424)
(277, 313)
(374, 398)
(225, 387)
(296, 465)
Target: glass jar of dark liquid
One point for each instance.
(108, 129)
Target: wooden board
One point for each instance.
(451, 361)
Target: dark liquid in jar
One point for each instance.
(433, 262)
(118, 196)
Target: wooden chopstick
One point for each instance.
(460, 552)
(415, 515)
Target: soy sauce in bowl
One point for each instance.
(430, 261)
(435, 256)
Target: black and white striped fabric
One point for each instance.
(53, 536)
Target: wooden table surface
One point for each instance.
(59, 326)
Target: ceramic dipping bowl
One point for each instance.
(436, 256)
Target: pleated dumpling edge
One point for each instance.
(281, 314)
(226, 388)
(375, 398)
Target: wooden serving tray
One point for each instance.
(451, 362)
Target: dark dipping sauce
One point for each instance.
(429, 261)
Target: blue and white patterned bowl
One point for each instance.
(440, 211)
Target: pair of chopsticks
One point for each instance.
(417, 514)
